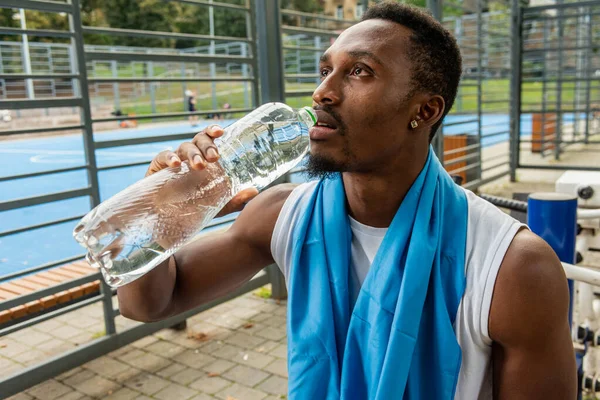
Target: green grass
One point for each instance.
(263, 292)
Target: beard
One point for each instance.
(320, 167)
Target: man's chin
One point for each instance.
(321, 167)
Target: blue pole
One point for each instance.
(553, 217)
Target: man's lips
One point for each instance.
(326, 126)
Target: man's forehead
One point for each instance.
(377, 35)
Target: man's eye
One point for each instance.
(357, 71)
(324, 73)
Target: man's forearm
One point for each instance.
(149, 298)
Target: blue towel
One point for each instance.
(397, 341)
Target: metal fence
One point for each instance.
(480, 139)
(559, 103)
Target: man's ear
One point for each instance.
(431, 111)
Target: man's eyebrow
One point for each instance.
(365, 54)
(324, 58)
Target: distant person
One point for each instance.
(191, 105)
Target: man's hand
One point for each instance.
(198, 153)
(533, 356)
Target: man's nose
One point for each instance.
(328, 92)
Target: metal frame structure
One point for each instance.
(489, 51)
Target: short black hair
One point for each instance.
(436, 60)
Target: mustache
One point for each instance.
(329, 110)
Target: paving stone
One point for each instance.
(263, 316)
(244, 340)
(187, 376)
(142, 397)
(266, 347)
(49, 390)
(81, 376)
(274, 385)
(244, 313)
(194, 358)
(31, 337)
(83, 338)
(73, 396)
(107, 367)
(202, 396)
(253, 359)
(241, 392)
(272, 333)
(211, 385)
(278, 367)
(150, 362)
(226, 321)
(131, 355)
(276, 321)
(66, 332)
(81, 321)
(172, 370)
(165, 349)
(121, 351)
(126, 375)
(279, 351)
(219, 366)
(20, 396)
(174, 391)
(123, 394)
(33, 356)
(281, 311)
(55, 346)
(10, 348)
(147, 384)
(245, 375)
(69, 373)
(146, 341)
(252, 327)
(229, 352)
(97, 386)
(9, 367)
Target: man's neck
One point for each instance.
(374, 198)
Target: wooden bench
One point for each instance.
(42, 280)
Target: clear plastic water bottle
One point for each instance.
(140, 227)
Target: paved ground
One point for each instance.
(234, 351)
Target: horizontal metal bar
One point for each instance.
(39, 5)
(49, 315)
(489, 135)
(465, 168)
(41, 130)
(143, 140)
(22, 104)
(561, 111)
(580, 4)
(175, 114)
(39, 226)
(304, 48)
(42, 173)
(297, 76)
(558, 49)
(47, 198)
(43, 267)
(38, 76)
(308, 31)
(559, 167)
(146, 79)
(495, 166)
(321, 17)
(134, 164)
(496, 157)
(160, 35)
(39, 294)
(299, 93)
(468, 121)
(479, 182)
(215, 4)
(538, 17)
(29, 376)
(35, 32)
(157, 57)
(466, 148)
(461, 159)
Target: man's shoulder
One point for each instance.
(531, 290)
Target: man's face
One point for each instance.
(365, 97)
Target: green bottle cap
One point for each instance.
(312, 114)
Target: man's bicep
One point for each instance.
(533, 355)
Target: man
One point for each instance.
(401, 284)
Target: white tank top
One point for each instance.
(489, 234)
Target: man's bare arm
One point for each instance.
(208, 267)
(533, 356)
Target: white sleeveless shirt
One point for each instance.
(489, 234)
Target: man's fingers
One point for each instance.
(214, 131)
(207, 147)
(189, 151)
(163, 160)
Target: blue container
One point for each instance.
(553, 217)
